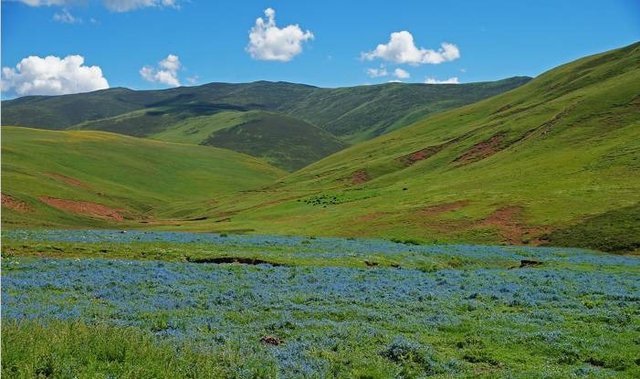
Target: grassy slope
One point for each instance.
(356, 114)
(140, 178)
(561, 149)
(353, 114)
(61, 112)
(281, 140)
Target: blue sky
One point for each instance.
(202, 41)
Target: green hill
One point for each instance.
(72, 178)
(281, 140)
(352, 114)
(554, 161)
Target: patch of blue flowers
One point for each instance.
(570, 315)
(322, 247)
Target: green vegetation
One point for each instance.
(553, 161)
(95, 179)
(100, 303)
(352, 114)
(60, 349)
(280, 140)
(613, 231)
(557, 151)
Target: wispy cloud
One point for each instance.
(66, 17)
(452, 80)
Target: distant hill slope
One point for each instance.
(281, 140)
(352, 114)
(554, 161)
(61, 178)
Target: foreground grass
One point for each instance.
(74, 349)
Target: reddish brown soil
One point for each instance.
(508, 221)
(12, 203)
(420, 155)
(482, 150)
(435, 210)
(359, 177)
(371, 216)
(84, 208)
(67, 180)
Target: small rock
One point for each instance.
(271, 340)
(529, 263)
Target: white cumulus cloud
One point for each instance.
(452, 80)
(52, 76)
(402, 49)
(166, 72)
(401, 74)
(269, 43)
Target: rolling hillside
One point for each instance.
(554, 161)
(352, 114)
(60, 178)
(281, 140)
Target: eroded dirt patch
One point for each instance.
(373, 216)
(12, 203)
(85, 208)
(509, 222)
(422, 154)
(237, 260)
(67, 180)
(360, 176)
(482, 150)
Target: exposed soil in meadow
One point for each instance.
(85, 208)
(12, 203)
(371, 216)
(508, 221)
(237, 260)
(482, 150)
(68, 180)
(359, 177)
(421, 154)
